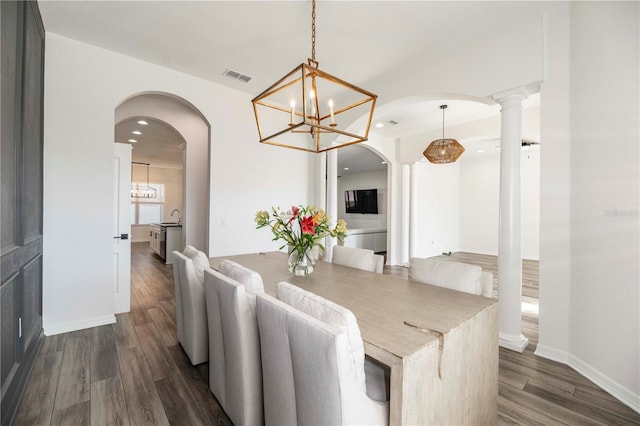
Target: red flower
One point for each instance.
(307, 225)
(294, 214)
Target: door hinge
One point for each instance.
(19, 328)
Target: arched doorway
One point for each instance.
(363, 170)
(187, 123)
(173, 150)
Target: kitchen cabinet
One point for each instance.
(369, 238)
(165, 238)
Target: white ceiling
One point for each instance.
(363, 42)
(158, 144)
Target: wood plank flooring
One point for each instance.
(130, 373)
(134, 372)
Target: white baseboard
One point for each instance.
(614, 388)
(552, 353)
(79, 325)
(515, 343)
(618, 391)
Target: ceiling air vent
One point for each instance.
(393, 122)
(236, 75)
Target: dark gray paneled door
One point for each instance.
(21, 124)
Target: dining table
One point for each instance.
(440, 345)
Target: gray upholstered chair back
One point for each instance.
(309, 376)
(454, 275)
(177, 282)
(378, 260)
(486, 284)
(357, 258)
(194, 311)
(235, 374)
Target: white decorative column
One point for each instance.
(332, 198)
(510, 229)
(405, 225)
(413, 208)
(321, 180)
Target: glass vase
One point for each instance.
(301, 262)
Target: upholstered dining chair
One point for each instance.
(177, 282)
(313, 371)
(191, 312)
(235, 373)
(358, 258)
(200, 261)
(192, 253)
(454, 275)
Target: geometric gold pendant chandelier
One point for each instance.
(443, 151)
(311, 110)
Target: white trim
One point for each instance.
(618, 391)
(80, 325)
(614, 388)
(552, 353)
(515, 343)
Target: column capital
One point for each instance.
(518, 93)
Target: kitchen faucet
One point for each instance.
(179, 215)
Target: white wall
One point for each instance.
(605, 246)
(555, 190)
(479, 203)
(589, 276)
(371, 180)
(83, 86)
(438, 209)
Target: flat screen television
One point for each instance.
(363, 201)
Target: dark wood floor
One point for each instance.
(134, 372)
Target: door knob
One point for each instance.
(122, 237)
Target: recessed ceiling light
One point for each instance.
(137, 132)
(346, 168)
(132, 140)
(383, 162)
(142, 122)
(378, 125)
(481, 150)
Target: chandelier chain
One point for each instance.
(313, 30)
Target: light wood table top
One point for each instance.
(381, 303)
(441, 345)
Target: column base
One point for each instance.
(514, 343)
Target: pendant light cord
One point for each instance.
(313, 31)
(443, 107)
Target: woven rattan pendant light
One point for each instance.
(443, 151)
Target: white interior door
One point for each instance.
(122, 228)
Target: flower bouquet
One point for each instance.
(302, 229)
